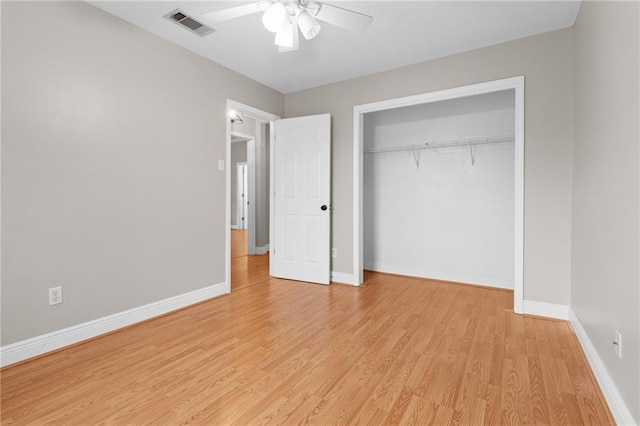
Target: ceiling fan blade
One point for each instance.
(231, 13)
(344, 18)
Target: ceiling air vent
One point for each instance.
(186, 21)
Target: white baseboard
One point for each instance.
(39, 345)
(339, 277)
(262, 250)
(549, 310)
(234, 226)
(621, 413)
(438, 275)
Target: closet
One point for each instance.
(438, 190)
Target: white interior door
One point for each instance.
(302, 186)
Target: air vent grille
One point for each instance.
(187, 22)
(178, 16)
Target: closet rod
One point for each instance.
(444, 144)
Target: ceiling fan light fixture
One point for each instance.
(279, 16)
(236, 116)
(284, 36)
(274, 18)
(309, 26)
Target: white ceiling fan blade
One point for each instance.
(231, 13)
(344, 18)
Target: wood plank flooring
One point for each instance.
(238, 243)
(246, 270)
(395, 351)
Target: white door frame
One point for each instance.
(263, 115)
(242, 212)
(515, 83)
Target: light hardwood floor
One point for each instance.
(246, 270)
(395, 351)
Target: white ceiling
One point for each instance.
(402, 33)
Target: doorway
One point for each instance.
(240, 182)
(310, 165)
(254, 130)
(517, 85)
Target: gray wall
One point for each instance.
(110, 185)
(546, 62)
(605, 291)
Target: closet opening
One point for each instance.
(439, 186)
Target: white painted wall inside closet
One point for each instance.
(447, 212)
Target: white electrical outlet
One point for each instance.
(55, 295)
(334, 252)
(618, 344)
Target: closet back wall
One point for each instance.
(437, 213)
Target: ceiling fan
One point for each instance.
(286, 17)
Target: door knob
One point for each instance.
(324, 207)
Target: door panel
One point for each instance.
(302, 186)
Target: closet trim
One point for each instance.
(513, 83)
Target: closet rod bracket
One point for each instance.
(416, 157)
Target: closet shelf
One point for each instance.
(443, 144)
